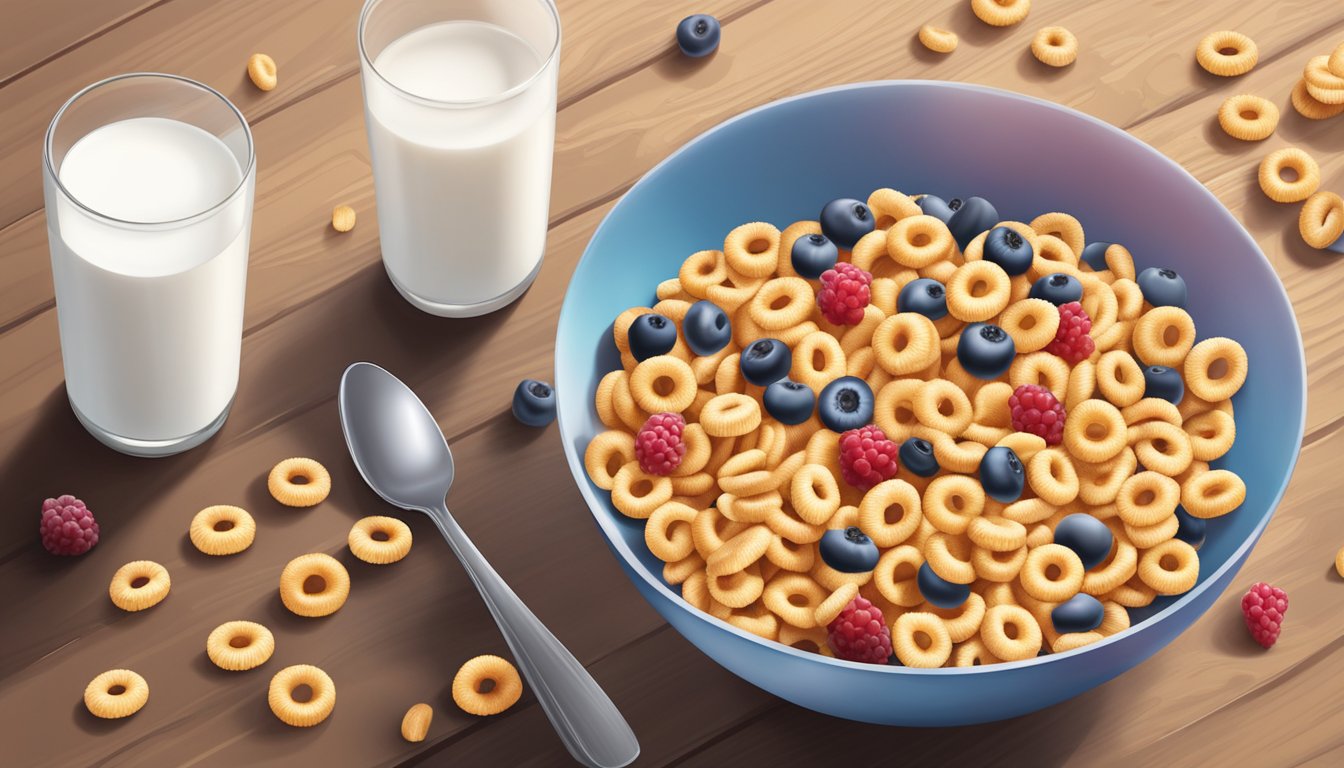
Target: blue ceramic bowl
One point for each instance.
(781, 163)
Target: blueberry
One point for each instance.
(939, 591)
(534, 403)
(985, 350)
(698, 35)
(813, 255)
(1094, 255)
(975, 215)
(1087, 536)
(926, 296)
(1006, 247)
(845, 404)
(651, 335)
(845, 220)
(789, 402)
(1161, 381)
(1057, 288)
(848, 550)
(707, 328)
(1162, 287)
(1190, 529)
(1080, 613)
(766, 361)
(935, 207)
(917, 455)
(1001, 474)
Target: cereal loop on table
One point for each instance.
(1001, 13)
(1213, 493)
(1247, 117)
(919, 241)
(1163, 336)
(1321, 221)
(795, 598)
(781, 303)
(379, 540)
(906, 343)
(1011, 633)
(977, 291)
(299, 482)
(937, 39)
(1052, 476)
(222, 529)
(239, 645)
(1322, 81)
(663, 383)
(1032, 323)
(1306, 175)
(1147, 498)
(1170, 568)
(730, 415)
(261, 70)
(314, 585)
(752, 250)
(1227, 54)
(1094, 431)
(952, 502)
(1052, 573)
(116, 693)
(415, 723)
(302, 714)
(139, 585)
(920, 640)
(1216, 368)
(471, 678)
(1055, 47)
(1309, 106)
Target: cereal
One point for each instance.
(1307, 175)
(920, 640)
(1323, 83)
(314, 585)
(467, 693)
(1052, 573)
(1147, 498)
(949, 557)
(768, 312)
(730, 415)
(752, 250)
(1011, 633)
(952, 502)
(997, 534)
(366, 544)
(1339, 562)
(895, 575)
(299, 482)
(261, 69)
(415, 723)
(972, 653)
(1052, 476)
(116, 693)
(1031, 322)
(637, 494)
(663, 384)
(343, 218)
(222, 530)
(890, 512)
(1170, 568)
(906, 343)
(1309, 106)
(1335, 62)
(1055, 47)
(977, 291)
(1094, 431)
(1163, 336)
(937, 39)
(1247, 117)
(1322, 219)
(1001, 13)
(1210, 435)
(302, 714)
(795, 598)
(1216, 368)
(239, 645)
(139, 585)
(1213, 493)
(1227, 53)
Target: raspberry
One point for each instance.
(67, 527)
(658, 445)
(1072, 341)
(860, 633)
(844, 294)
(1036, 410)
(1264, 607)
(867, 457)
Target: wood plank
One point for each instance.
(38, 31)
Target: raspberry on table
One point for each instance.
(844, 294)
(860, 633)
(1072, 341)
(867, 457)
(658, 446)
(1263, 608)
(1035, 409)
(67, 526)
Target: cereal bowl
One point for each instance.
(780, 163)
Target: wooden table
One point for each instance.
(317, 300)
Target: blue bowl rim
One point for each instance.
(617, 542)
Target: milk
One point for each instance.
(150, 314)
(463, 189)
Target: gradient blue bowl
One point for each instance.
(781, 163)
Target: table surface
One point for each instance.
(317, 300)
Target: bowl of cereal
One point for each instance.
(1020, 444)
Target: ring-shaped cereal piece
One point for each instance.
(1032, 323)
(950, 557)
(790, 555)
(302, 714)
(943, 406)
(1152, 409)
(1024, 444)
(283, 482)
(870, 255)
(668, 532)
(467, 684)
(1147, 498)
(792, 234)
(1055, 47)
(953, 455)
(1063, 226)
(732, 292)
(814, 493)
(1146, 536)
(890, 206)
(827, 610)
(1053, 573)
(366, 545)
(795, 598)
(937, 39)
(663, 384)
(752, 250)
(782, 303)
(116, 693)
(1043, 369)
(817, 361)
(1170, 568)
(998, 566)
(139, 585)
(1321, 221)
(1122, 564)
(739, 552)
(1247, 117)
(963, 622)
(698, 273)
(990, 405)
(906, 343)
(1226, 53)
(1164, 336)
(608, 451)
(637, 494)
(973, 653)
(738, 589)
(1082, 385)
(1094, 432)
(1052, 476)
(730, 415)
(222, 529)
(997, 534)
(1311, 107)
(1001, 13)
(1133, 594)
(1070, 641)
(1011, 633)
(896, 574)
(1211, 435)
(1213, 493)
(620, 327)
(1322, 77)
(1120, 378)
(314, 585)
(952, 502)
(1162, 447)
(919, 241)
(920, 640)
(239, 645)
(1215, 369)
(890, 512)
(1306, 171)
(859, 337)
(977, 291)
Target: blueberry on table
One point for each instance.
(707, 328)
(766, 361)
(939, 591)
(651, 335)
(916, 455)
(986, 351)
(812, 255)
(1057, 288)
(1080, 613)
(1002, 475)
(845, 220)
(1088, 537)
(1162, 287)
(1161, 381)
(973, 216)
(534, 403)
(1190, 529)
(924, 296)
(848, 550)
(698, 35)
(789, 402)
(845, 404)
(936, 207)
(1094, 255)
(1006, 247)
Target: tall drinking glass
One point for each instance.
(459, 105)
(149, 182)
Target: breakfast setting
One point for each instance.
(754, 382)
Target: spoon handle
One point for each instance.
(587, 721)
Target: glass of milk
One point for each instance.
(149, 181)
(459, 105)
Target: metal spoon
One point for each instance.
(402, 454)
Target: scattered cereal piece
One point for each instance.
(314, 585)
(1247, 117)
(937, 39)
(239, 645)
(467, 693)
(1309, 106)
(1322, 219)
(286, 488)
(139, 585)
(395, 544)
(1322, 83)
(1001, 13)
(342, 218)
(1055, 47)
(1303, 167)
(67, 526)
(116, 693)
(302, 714)
(1336, 61)
(1339, 562)
(222, 530)
(415, 723)
(1264, 607)
(1227, 54)
(261, 68)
